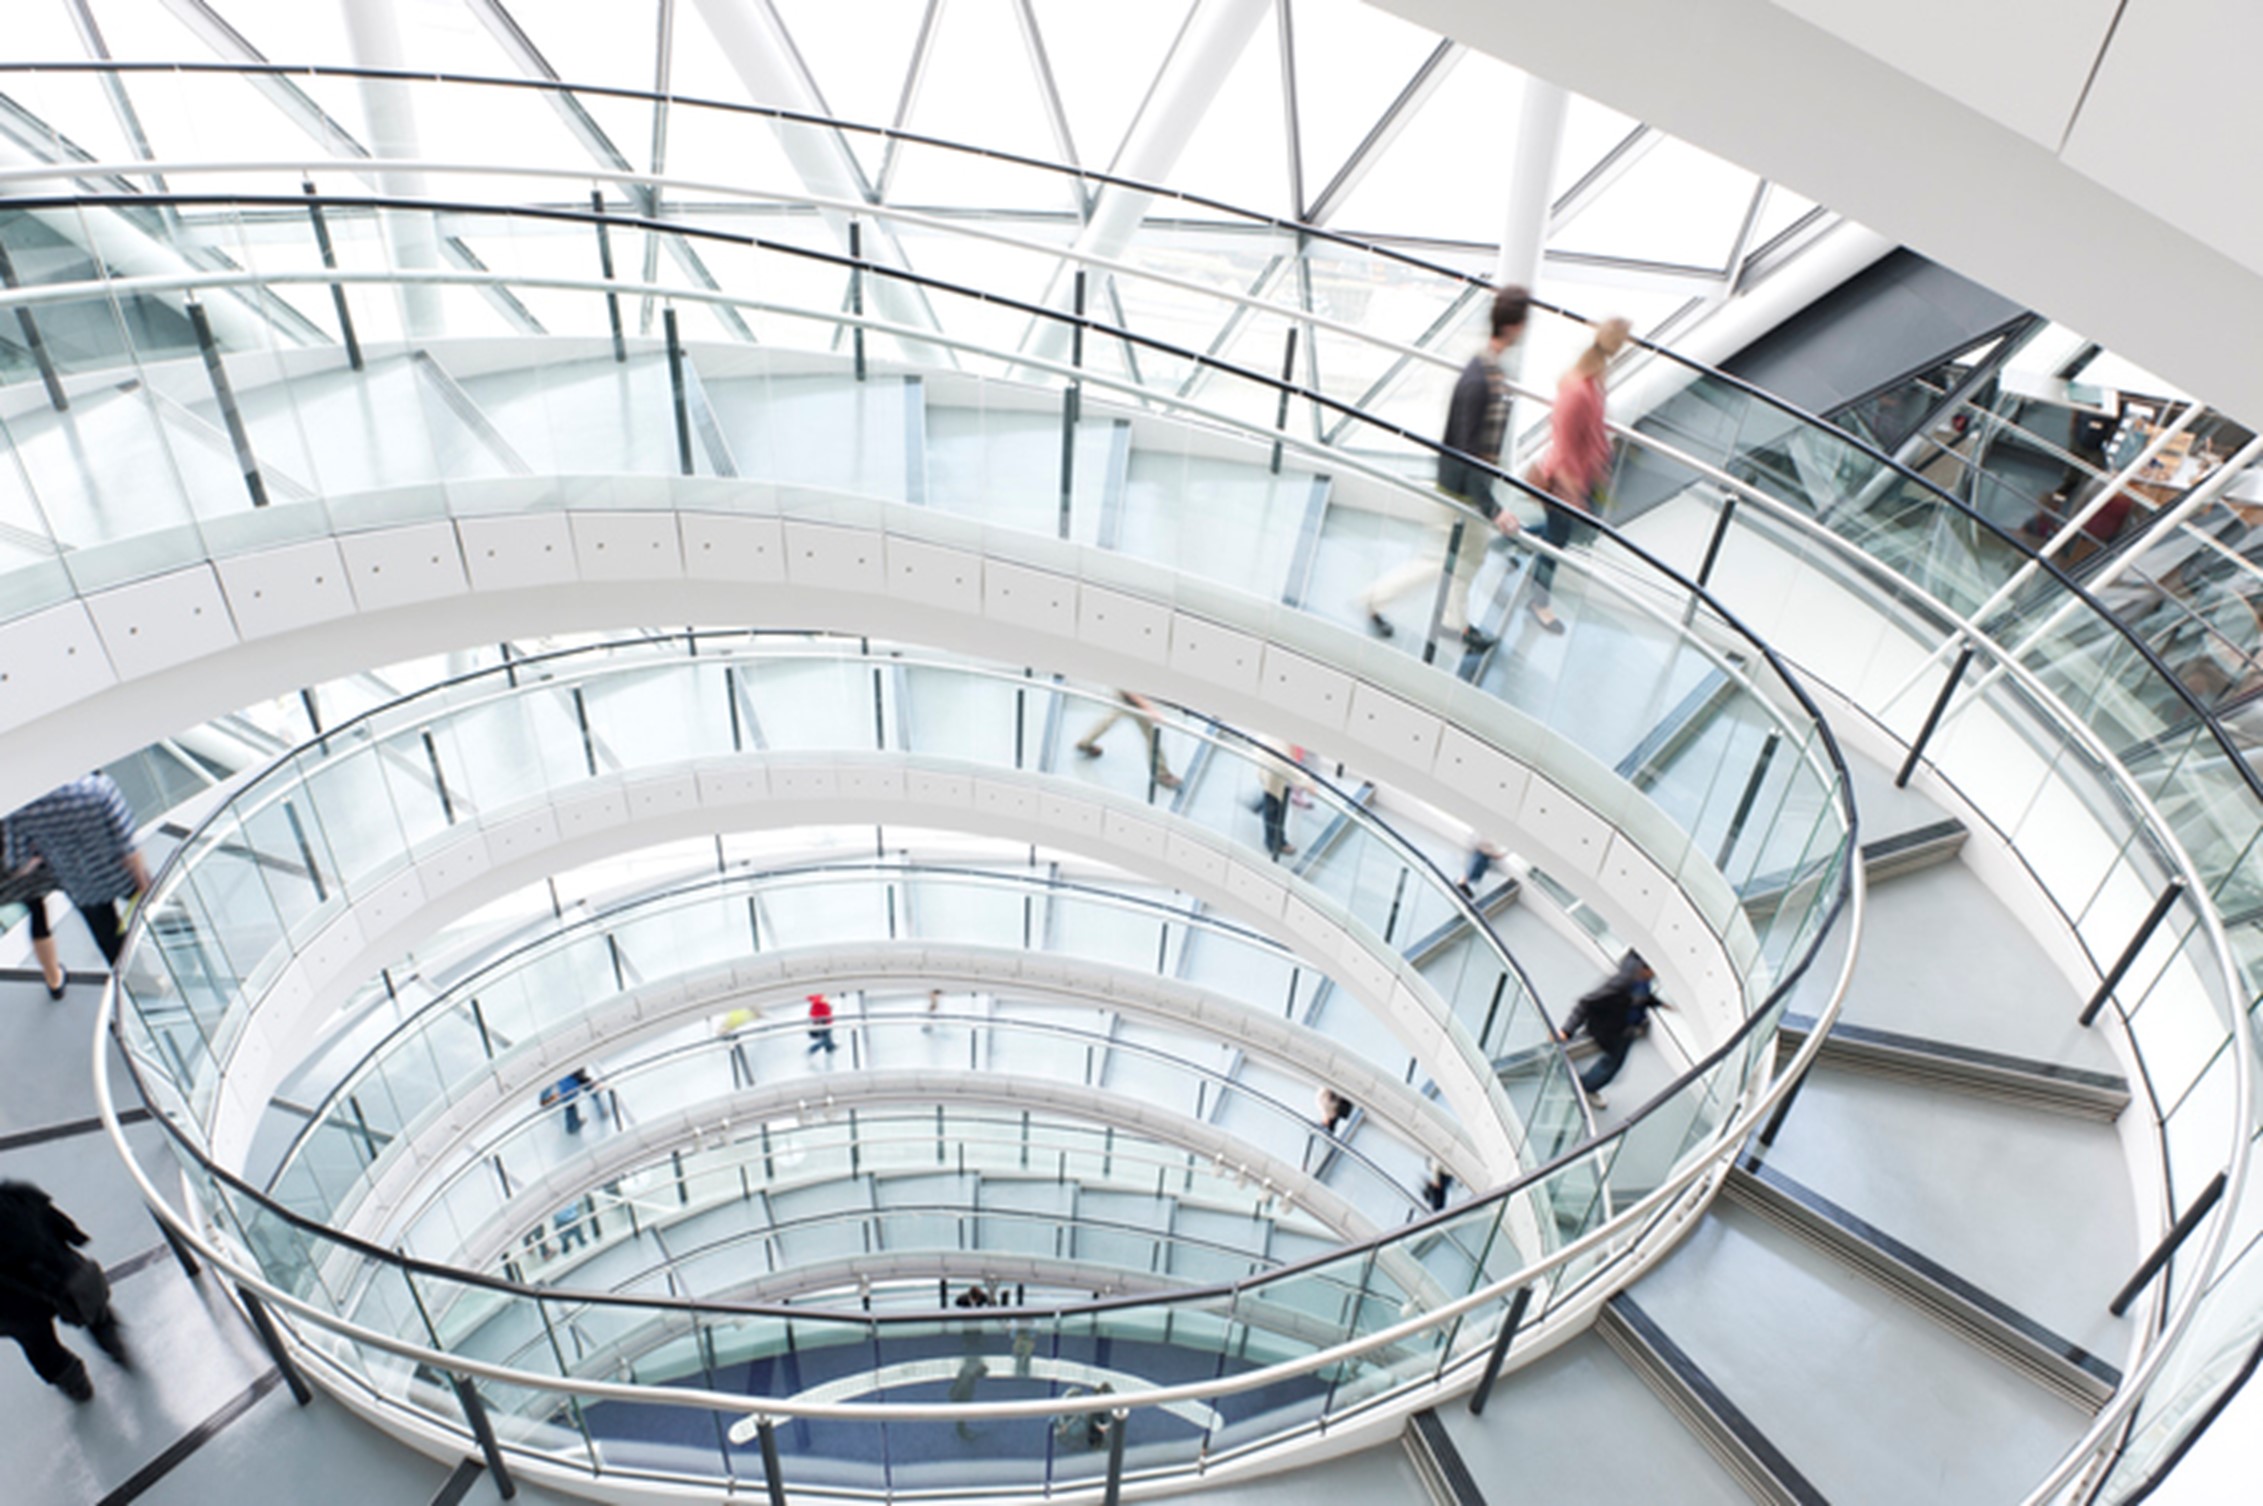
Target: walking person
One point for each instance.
(1612, 1015)
(820, 1026)
(82, 835)
(971, 1371)
(1578, 459)
(1476, 418)
(1279, 779)
(1143, 712)
(1334, 1109)
(44, 1277)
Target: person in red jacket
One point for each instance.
(820, 1025)
(1577, 460)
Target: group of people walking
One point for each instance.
(1569, 474)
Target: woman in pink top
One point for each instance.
(1577, 459)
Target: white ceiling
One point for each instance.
(1940, 123)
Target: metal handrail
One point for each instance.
(2203, 714)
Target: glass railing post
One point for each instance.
(271, 1339)
(1288, 376)
(231, 417)
(1113, 1492)
(1500, 1350)
(2189, 1221)
(856, 293)
(773, 1474)
(2128, 958)
(1933, 719)
(475, 1413)
(1072, 403)
(605, 265)
(29, 327)
(676, 390)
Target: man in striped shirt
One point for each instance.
(82, 835)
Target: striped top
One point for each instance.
(82, 831)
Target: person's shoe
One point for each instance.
(1547, 618)
(1477, 642)
(1380, 625)
(1597, 1101)
(1467, 892)
(57, 990)
(1285, 850)
(76, 1383)
(1168, 780)
(1089, 750)
(111, 1339)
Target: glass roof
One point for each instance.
(1333, 112)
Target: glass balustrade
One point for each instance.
(1760, 800)
(511, 1008)
(1171, 320)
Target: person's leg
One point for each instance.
(1453, 621)
(1158, 766)
(1606, 1065)
(1398, 581)
(1089, 744)
(1557, 531)
(49, 1359)
(1275, 810)
(102, 920)
(43, 947)
(1480, 864)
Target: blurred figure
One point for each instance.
(1613, 1015)
(44, 1277)
(1334, 1109)
(571, 1231)
(1578, 459)
(1482, 856)
(971, 1370)
(820, 1026)
(1142, 711)
(81, 835)
(934, 1008)
(1476, 417)
(1279, 778)
(568, 1091)
(1436, 1185)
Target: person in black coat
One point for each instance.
(44, 1277)
(1612, 1014)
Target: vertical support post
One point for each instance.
(32, 342)
(2209, 1196)
(676, 387)
(330, 263)
(1500, 1351)
(856, 291)
(475, 1413)
(439, 780)
(180, 1249)
(1072, 403)
(1783, 1111)
(2122, 964)
(1113, 1493)
(272, 1341)
(1933, 718)
(605, 264)
(1751, 794)
(1288, 375)
(1720, 532)
(1456, 539)
(773, 1477)
(238, 436)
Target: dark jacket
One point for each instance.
(1465, 431)
(38, 1252)
(1613, 1009)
